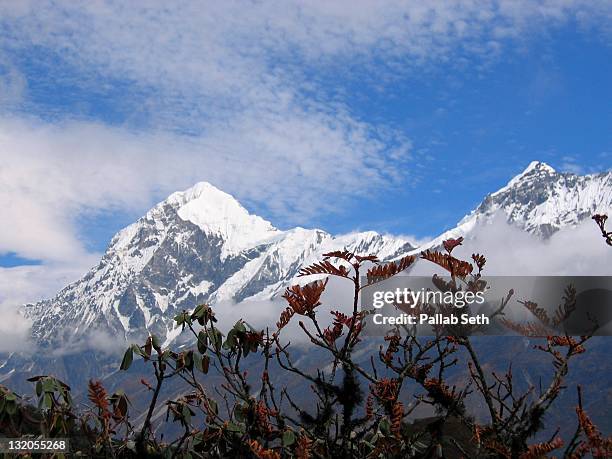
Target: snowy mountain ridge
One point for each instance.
(201, 245)
(540, 201)
(197, 246)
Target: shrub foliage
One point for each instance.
(356, 403)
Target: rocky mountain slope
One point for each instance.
(197, 246)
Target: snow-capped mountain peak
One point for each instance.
(218, 213)
(536, 170)
(198, 245)
(540, 201)
(538, 166)
(202, 246)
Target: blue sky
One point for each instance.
(473, 130)
(392, 117)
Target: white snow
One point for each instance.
(161, 300)
(171, 334)
(534, 166)
(202, 288)
(125, 321)
(218, 213)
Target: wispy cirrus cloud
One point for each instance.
(197, 63)
(63, 171)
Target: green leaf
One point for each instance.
(10, 407)
(239, 413)
(179, 318)
(288, 438)
(48, 385)
(155, 343)
(138, 350)
(122, 405)
(239, 327)
(385, 427)
(128, 357)
(201, 312)
(213, 406)
(189, 360)
(47, 402)
(215, 337)
(197, 361)
(186, 412)
(183, 319)
(230, 342)
(233, 427)
(202, 342)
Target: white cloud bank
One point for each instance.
(224, 47)
(23, 284)
(571, 251)
(52, 174)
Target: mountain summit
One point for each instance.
(540, 201)
(217, 213)
(198, 245)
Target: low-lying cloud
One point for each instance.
(571, 251)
